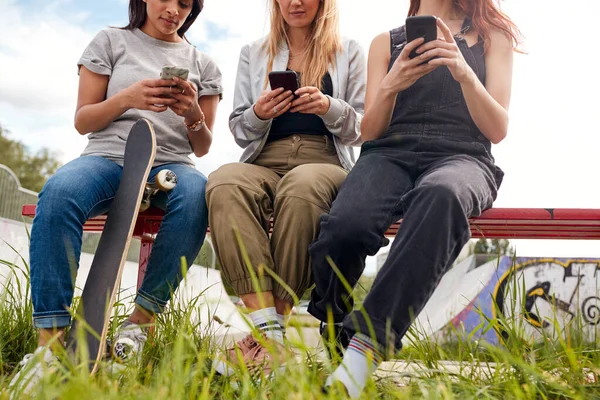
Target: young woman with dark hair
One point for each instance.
(118, 84)
(428, 128)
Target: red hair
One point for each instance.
(485, 15)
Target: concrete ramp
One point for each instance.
(213, 309)
(530, 293)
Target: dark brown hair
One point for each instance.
(137, 15)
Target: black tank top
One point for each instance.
(434, 104)
(289, 123)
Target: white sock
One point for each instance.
(361, 359)
(281, 319)
(266, 321)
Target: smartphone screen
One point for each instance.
(288, 80)
(169, 72)
(424, 26)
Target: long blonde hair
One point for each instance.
(323, 43)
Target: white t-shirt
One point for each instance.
(129, 56)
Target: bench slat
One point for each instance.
(500, 223)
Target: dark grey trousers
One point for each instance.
(435, 184)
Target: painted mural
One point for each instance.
(538, 296)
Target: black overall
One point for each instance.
(434, 169)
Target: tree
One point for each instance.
(497, 247)
(32, 169)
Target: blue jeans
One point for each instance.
(85, 188)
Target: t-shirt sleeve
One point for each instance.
(211, 80)
(97, 57)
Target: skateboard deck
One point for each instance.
(100, 289)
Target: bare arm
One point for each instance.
(488, 105)
(194, 109)
(95, 112)
(383, 86)
(202, 140)
(379, 102)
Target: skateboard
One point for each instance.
(165, 181)
(102, 285)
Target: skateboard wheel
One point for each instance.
(166, 180)
(123, 350)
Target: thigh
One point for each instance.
(371, 194)
(464, 178)
(191, 186)
(249, 176)
(315, 183)
(88, 182)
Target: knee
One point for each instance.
(188, 198)
(58, 198)
(316, 183)
(443, 199)
(56, 188)
(225, 175)
(345, 227)
(223, 183)
(441, 194)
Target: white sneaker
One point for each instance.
(33, 367)
(127, 346)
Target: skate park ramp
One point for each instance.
(213, 309)
(539, 296)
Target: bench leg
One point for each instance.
(145, 250)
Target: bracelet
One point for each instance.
(196, 126)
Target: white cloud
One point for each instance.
(549, 156)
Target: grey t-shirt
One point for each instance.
(129, 56)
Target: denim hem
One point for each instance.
(51, 321)
(385, 338)
(324, 317)
(149, 303)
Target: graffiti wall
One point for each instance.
(538, 297)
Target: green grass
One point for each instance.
(177, 365)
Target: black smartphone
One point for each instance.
(424, 26)
(288, 80)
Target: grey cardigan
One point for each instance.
(348, 76)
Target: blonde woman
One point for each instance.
(296, 155)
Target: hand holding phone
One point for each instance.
(170, 71)
(424, 26)
(288, 80)
(272, 103)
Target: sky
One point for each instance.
(549, 156)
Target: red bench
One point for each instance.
(498, 223)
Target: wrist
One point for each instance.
(195, 124)
(194, 116)
(123, 100)
(386, 92)
(326, 106)
(258, 116)
(470, 78)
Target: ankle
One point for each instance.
(51, 338)
(266, 322)
(141, 316)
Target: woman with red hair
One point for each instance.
(428, 127)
